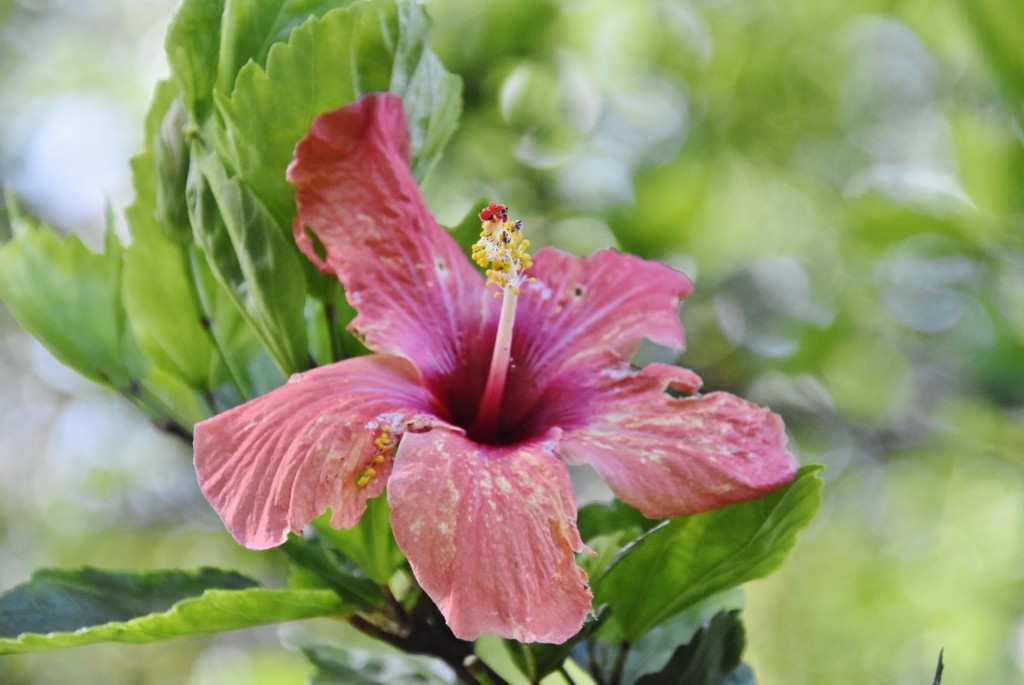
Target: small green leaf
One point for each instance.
(192, 44)
(253, 261)
(689, 558)
(250, 28)
(171, 160)
(59, 609)
(370, 544)
(328, 62)
(160, 172)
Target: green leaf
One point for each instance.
(70, 298)
(232, 336)
(171, 159)
(432, 97)
(180, 322)
(250, 28)
(161, 301)
(160, 172)
(193, 44)
(67, 297)
(328, 62)
(607, 528)
(370, 544)
(318, 566)
(601, 518)
(251, 259)
(690, 558)
(158, 291)
(712, 657)
(58, 609)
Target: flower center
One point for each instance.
(501, 250)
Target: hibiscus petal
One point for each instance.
(580, 317)
(582, 310)
(416, 293)
(490, 533)
(667, 456)
(272, 465)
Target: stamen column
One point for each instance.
(503, 247)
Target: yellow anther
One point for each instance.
(383, 443)
(502, 248)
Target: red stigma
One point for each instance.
(494, 212)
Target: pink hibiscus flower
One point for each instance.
(472, 447)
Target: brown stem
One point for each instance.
(424, 631)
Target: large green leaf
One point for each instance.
(690, 558)
(67, 296)
(251, 259)
(58, 609)
(328, 62)
(70, 298)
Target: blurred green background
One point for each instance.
(843, 180)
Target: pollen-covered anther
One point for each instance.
(383, 444)
(502, 249)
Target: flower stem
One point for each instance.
(490, 403)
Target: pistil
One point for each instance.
(502, 246)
